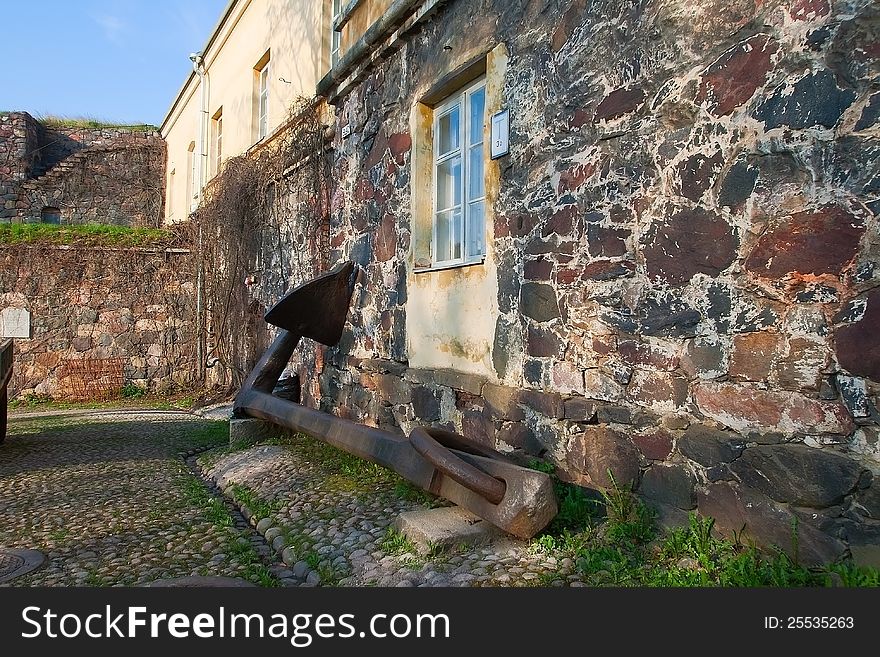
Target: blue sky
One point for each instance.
(117, 60)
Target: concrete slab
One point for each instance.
(252, 430)
(446, 527)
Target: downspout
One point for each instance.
(392, 18)
(199, 69)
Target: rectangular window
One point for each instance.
(459, 186)
(335, 37)
(263, 121)
(217, 139)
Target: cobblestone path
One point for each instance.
(108, 498)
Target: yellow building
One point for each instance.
(260, 57)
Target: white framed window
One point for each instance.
(217, 130)
(335, 37)
(263, 103)
(459, 224)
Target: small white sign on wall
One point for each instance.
(500, 134)
(15, 323)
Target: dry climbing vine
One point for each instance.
(261, 228)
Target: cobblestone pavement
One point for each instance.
(115, 498)
(328, 516)
(108, 498)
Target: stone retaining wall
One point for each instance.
(125, 312)
(107, 175)
(686, 251)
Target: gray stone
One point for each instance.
(426, 404)
(854, 394)
(272, 533)
(444, 527)
(752, 516)
(869, 500)
(300, 569)
(459, 381)
(670, 484)
(538, 301)
(797, 474)
(579, 409)
(708, 446)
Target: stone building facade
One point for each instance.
(74, 175)
(678, 281)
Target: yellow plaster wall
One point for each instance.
(451, 313)
(293, 32)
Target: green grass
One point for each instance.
(128, 398)
(107, 235)
(92, 122)
(197, 495)
(244, 496)
(394, 543)
(625, 548)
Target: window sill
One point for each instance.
(449, 265)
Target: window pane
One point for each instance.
(448, 227)
(449, 183)
(476, 180)
(475, 229)
(477, 115)
(443, 239)
(448, 131)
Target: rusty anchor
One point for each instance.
(485, 482)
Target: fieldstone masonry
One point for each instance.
(111, 175)
(100, 318)
(686, 239)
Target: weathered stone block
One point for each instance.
(501, 402)
(547, 404)
(708, 446)
(814, 100)
(822, 242)
(600, 450)
(687, 243)
(471, 383)
(704, 358)
(567, 378)
(478, 428)
(660, 390)
(670, 484)
(797, 474)
(655, 444)
(744, 408)
(598, 385)
(750, 515)
(619, 102)
(753, 355)
(446, 527)
(543, 343)
(426, 404)
(579, 409)
(519, 436)
(643, 354)
(802, 367)
(732, 79)
(538, 301)
(858, 343)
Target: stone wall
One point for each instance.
(686, 242)
(92, 175)
(127, 313)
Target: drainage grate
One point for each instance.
(15, 563)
